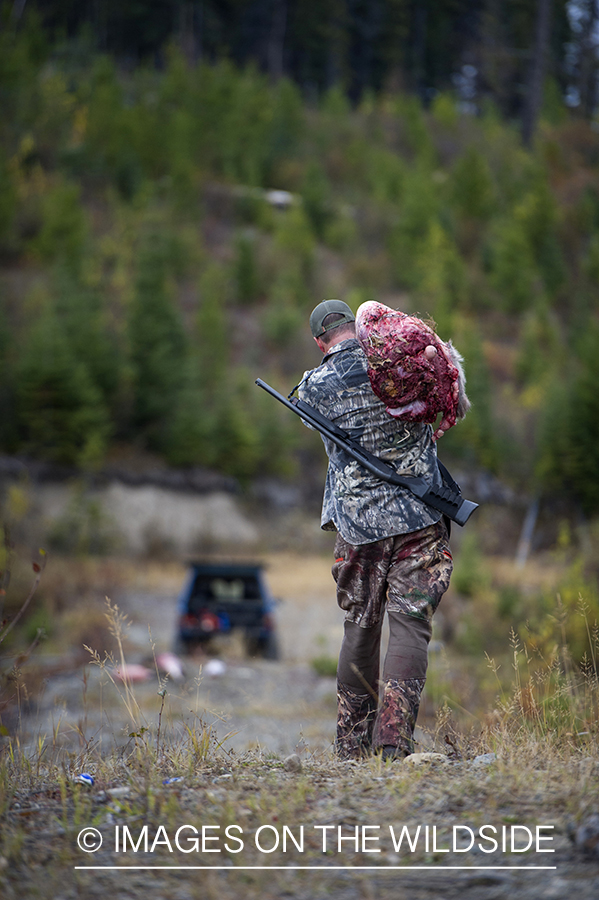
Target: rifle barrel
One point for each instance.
(448, 501)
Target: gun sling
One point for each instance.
(446, 499)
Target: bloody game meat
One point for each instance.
(415, 374)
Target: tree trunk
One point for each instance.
(276, 40)
(419, 48)
(534, 97)
(187, 36)
(587, 66)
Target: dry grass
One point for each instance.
(532, 783)
(545, 773)
(543, 731)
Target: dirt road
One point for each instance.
(276, 706)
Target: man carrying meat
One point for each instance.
(391, 548)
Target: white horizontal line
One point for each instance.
(325, 868)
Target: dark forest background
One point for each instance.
(441, 156)
(482, 49)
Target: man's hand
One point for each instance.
(445, 424)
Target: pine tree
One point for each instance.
(60, 412)
(157, 343)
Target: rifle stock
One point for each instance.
(446, 499)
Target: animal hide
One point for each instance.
(415, 374)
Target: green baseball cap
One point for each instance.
(323, 310)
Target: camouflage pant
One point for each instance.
(408, 574)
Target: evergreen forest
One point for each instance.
(172, 208)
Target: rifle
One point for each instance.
(446, 499)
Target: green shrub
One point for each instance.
(211, 327)
(478, 437)
(540, 347)
(316, 195)
(85, 319)
(324, 666)
(469, 576)
(64, 229)
(180, 162)
(282, 320)
(189, 440)
(157, 343)
(385, 175)
(440, 278)
(23, 53)
(513, 272)
(417, 134)
(419, 208)
(8, 203)
(335, 104)
(54, 124)
(471, 186)
(60, 411)
(295, 244)
(286, 127)
(591, 260)
(570, 427)
(510, 603)
(237, 113)
(445, 110)
(562, 621)
(341, 232)
(554, 110)
(537, 214)
(246, 269)
(106, 149)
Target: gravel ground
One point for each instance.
(261, 795)
(275, 705)
(260, 712)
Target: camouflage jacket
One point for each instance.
(357, 504)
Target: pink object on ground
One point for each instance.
(414, 373)
(171, 664)
(133, 672)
